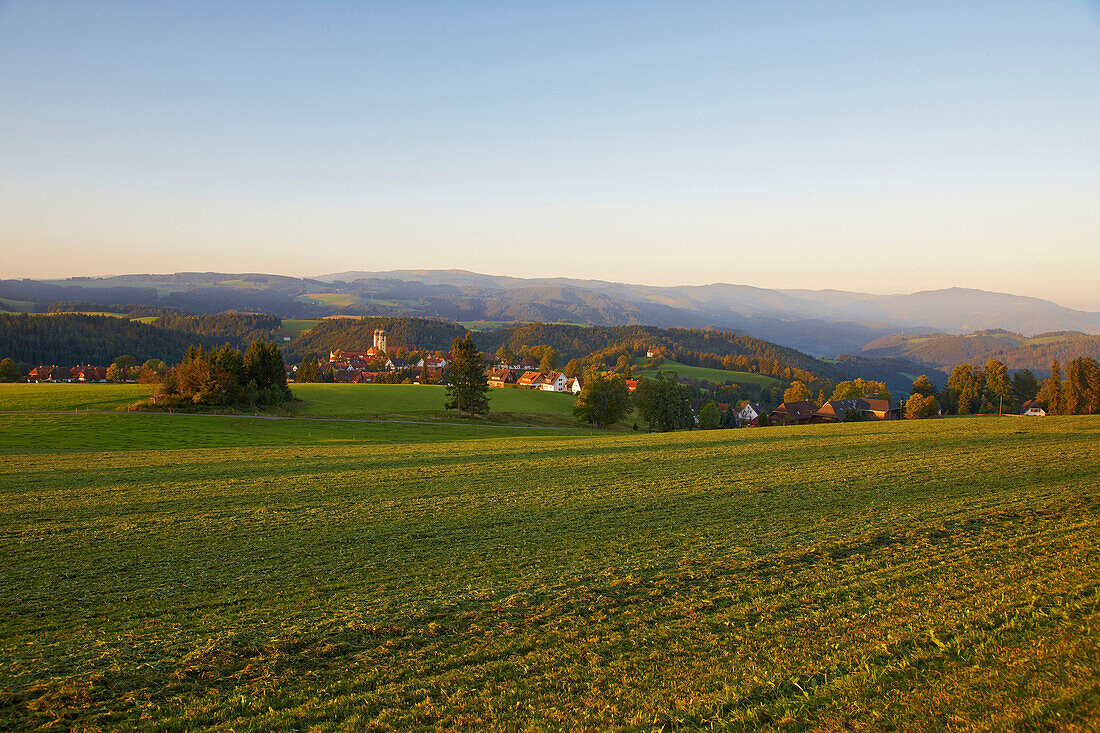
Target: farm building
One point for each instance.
(749, 415)
(836, 410)
(792, 413)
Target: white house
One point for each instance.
(554, 382)
(749, 414)
(432, 362)
(1033, 409)
(575, 385)
(653, 352)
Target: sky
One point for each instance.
(879, 147)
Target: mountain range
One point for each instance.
(818, 322)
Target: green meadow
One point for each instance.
(170, 572)
(706, 374)
(356, 401)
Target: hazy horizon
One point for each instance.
(879, 148)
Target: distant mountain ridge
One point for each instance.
(818, 322)
(954, 310)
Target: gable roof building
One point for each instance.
(530, 379)
(792, 413)
(835, 410)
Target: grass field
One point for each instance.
(10, 305)
(338, 300)
(169, 572)
(715, 376)
(296, 327)
(425, 402)
(362, 401)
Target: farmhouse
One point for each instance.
(881, 410)
(749, 415)
(836, 410)
(575, 385)
(52, 373)
(655, 351)
(792, 413)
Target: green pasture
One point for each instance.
(715, 376)
(338, 300)
(425, 402)
(10, 305)
(175, 572)
(295, 327)
(360, 401)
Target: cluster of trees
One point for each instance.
(972, 389)
(226, 377)
(663, 403)
(237, 329)
(81, 339)
(1078, 393)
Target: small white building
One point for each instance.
(1033, 409)
(575, 385)
(553, 382)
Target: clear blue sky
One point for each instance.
(883, 147)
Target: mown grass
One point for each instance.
(929, 575)
(715, 376)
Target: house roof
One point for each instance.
(799, 410)
(837, 408)
(530, 378)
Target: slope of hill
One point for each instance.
(1014, 349)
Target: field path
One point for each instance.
(280, 417)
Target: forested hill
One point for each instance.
(702, 347)
(1015, 350)
(357, 334)
(70, 339)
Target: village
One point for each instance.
(382, 365)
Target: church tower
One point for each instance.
(380, 339)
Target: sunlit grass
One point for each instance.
(233, 574)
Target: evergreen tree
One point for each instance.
(467, 389)
(1051, 392)
(1024, 386)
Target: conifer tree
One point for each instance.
(468, 389)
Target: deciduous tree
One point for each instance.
(603, 400)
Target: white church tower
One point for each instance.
(380, 340)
